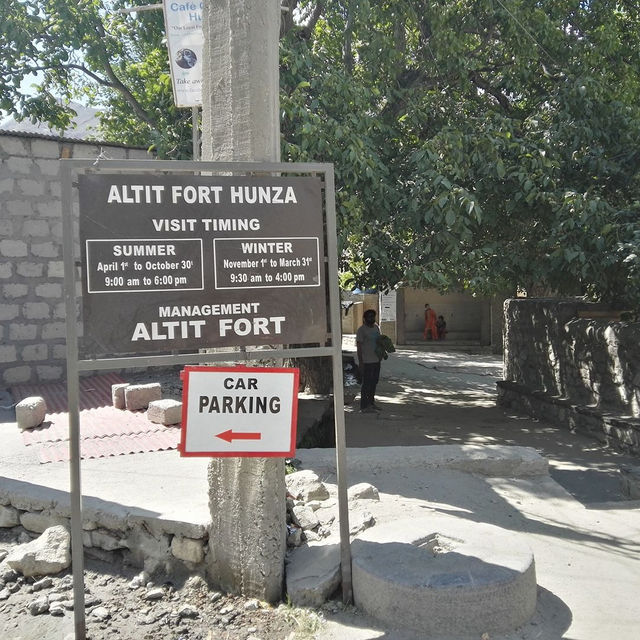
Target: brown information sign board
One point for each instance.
(180, 262)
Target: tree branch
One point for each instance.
(481, 83)
(118, 85)
(287, 22)
(70, 67)
(286, 17)
(315, 16)
(347, 52)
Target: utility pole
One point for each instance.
(240, 122)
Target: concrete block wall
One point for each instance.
(32, 309)
(468, 318)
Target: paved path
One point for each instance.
(450, 398)
(584, 534)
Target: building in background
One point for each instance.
(32, 306)
(472, 321)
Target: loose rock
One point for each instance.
(48, 554)
(187, 611)
(39, 606)
(251, 605)
(363, 491)
(139, 581)
(7, 574)
(45, 583)
(31, 412)
(294, 535)
(154, 594)
(305, 517)
(101, 613)
(306, 485)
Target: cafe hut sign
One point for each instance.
(183, 23)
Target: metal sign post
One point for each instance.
(184, 256)
(195, 132)
(73, 400)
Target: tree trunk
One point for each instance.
(247, 541)
(316, 375)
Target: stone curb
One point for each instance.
(152, 542)
(488, 460)
(613, 430)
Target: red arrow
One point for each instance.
(230, 435)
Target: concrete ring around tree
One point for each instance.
(444, 575)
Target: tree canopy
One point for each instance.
(488, 144)
(478, 144)
(91, 50)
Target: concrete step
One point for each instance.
(444, 573)
(452, 336)
(453, 342)
(442, 345)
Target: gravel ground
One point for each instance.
(121, 602)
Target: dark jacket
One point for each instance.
(384, 346)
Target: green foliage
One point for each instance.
(478, 144)
(87, 49)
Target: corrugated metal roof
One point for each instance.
(104, 430)
(42, 136)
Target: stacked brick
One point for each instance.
(32, 309)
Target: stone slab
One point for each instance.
(117, 394)
(165, 411)
(138, 396)
(313, 574)
(444, 573)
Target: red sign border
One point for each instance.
(184, 375)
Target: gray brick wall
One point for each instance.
(32, 310)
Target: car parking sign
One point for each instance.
(239, 411)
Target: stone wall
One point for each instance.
(568, 368)
(32, 310)
(158, 546)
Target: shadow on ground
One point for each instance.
(446, 398)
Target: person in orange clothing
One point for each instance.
(430, 328)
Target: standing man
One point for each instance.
(430, 328)
(366, 341)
